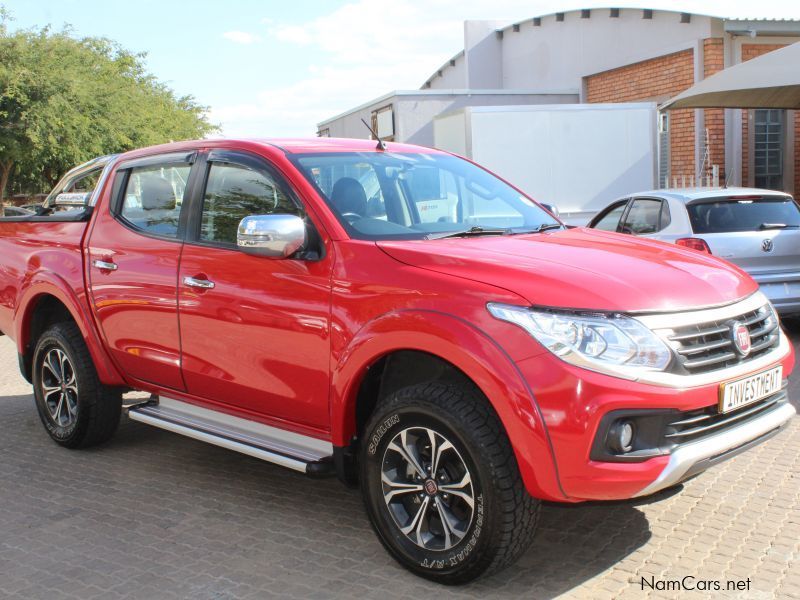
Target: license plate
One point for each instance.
(736, 394)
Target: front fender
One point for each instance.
(476, 354)
(42, 283)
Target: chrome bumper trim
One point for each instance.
(687, 456)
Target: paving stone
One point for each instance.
(156, 515)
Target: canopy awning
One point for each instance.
(769, 81)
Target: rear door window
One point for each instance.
(724, 215)
(153, 198)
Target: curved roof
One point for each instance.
(737, 21)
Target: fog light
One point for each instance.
(620, 436)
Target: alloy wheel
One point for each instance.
(59, 388)
(427, 488)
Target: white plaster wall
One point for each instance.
(452, 78)
(450, 132)
(578, 157)
(414, 115)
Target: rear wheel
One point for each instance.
(75, 408)
(441, 484)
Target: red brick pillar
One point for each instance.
(714, 118)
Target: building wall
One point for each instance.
(748, 52)
(414, 112)
(555, 54)
(656, 80)
(483, 52)
(453, 75)
(714, 118)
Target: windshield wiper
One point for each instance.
(541, 228)
(776, 226)
(472, 231)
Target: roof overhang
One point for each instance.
(762, 27)
(769, 81)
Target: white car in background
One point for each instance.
(758, 230)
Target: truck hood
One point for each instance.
(583, 269)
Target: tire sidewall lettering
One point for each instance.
(456, 557)
(380, 431)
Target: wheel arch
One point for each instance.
(451, 349)
(46, 300)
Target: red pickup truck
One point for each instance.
(395, 316)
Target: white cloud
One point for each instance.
(366, 48)
(241, 37)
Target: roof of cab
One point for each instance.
(328, 144)
(288, 145)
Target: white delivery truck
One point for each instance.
(577, 157)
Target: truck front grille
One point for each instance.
(708, 346)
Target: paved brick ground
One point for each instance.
(155, 515)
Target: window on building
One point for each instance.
(383, 123)
(663, 149)
(768, 127)
(324, 133)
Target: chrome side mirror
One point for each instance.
(73, 199)
(273, 236)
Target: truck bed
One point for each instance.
(39, 245)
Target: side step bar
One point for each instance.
(298, 452)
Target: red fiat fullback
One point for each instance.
(393, 315)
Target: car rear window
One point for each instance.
(722, 215)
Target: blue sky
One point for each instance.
(276, 68)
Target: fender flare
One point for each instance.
(43, 283)
(479, 356)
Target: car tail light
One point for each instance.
(694, 243)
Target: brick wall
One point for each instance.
(750, 51)
(714, 118)
(657, 80)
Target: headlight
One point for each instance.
(614, 344)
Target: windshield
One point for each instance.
(754, 214)
(383, 195)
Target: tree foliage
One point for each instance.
(64, 100)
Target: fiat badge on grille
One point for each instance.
(741, 338)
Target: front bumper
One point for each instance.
(695, 457)
(573, 402)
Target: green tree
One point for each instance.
(64, 100)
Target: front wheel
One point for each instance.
(75, 408)
(441, 484)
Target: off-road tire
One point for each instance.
(98, 407)
(505, 515)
